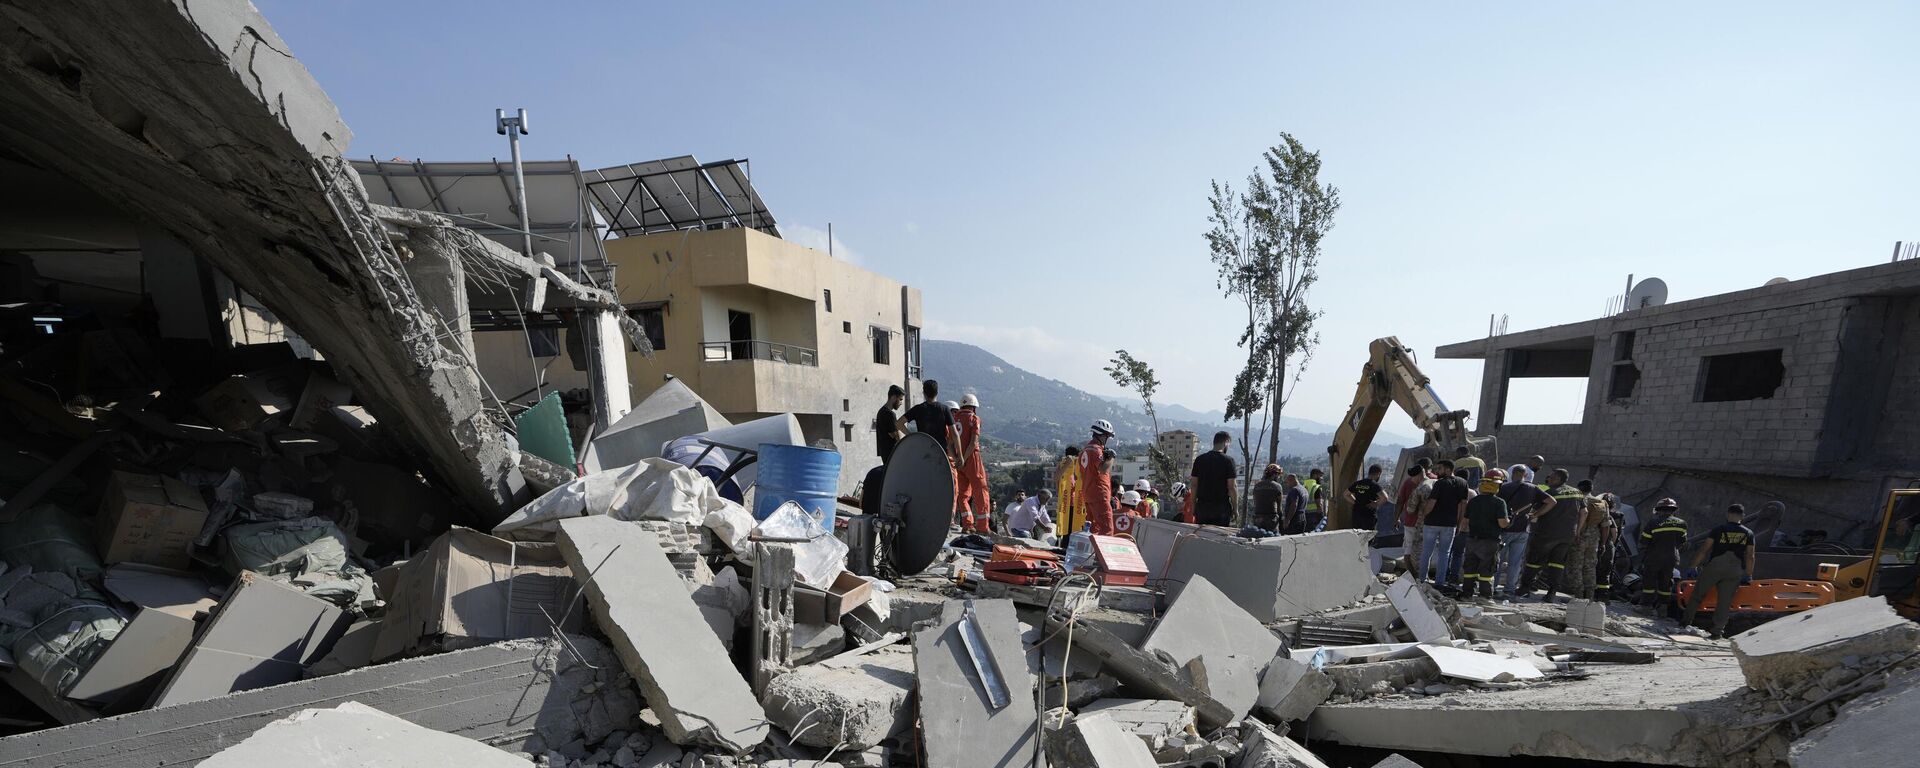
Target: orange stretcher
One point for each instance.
(1768, 596)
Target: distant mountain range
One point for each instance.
(1025, 408)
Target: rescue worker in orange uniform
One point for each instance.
(976, 511)
(1129, 511)
(1096, 486)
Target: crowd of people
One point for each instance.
(1476, 532)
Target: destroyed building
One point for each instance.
(263, 503)
(1805, 392)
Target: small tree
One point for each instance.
(1289, 212)
(1246, 275)
(1131, 373)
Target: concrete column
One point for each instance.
(607, 345)
(172, 276)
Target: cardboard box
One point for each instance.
(469, 589)
(241, 402)
(149, 519)
(826, 606)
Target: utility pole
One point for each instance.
(513, 128)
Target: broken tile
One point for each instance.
(686, 676)
(1161, 724)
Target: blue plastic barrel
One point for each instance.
(798, 473)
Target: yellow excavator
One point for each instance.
(1390, 377)
(1790, 581)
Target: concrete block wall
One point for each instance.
(1897, 438)
(1662, 423)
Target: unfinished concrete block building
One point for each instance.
(1804, 392)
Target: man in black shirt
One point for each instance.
(1525, 501)
(1440, 515)
(1553, 535)
(1485, 518)
(1266, 500)
(932, 418)
(1660, 543)
(886, 426)
(1295, 515)
(1728, 554)
(1364, 498)
(1212, 482)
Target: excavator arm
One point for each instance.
(1390, 377)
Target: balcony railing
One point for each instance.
(722, 351)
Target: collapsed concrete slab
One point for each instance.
(1107, 745)
(1289, 690)
(358, 735)
(1875, 729)
(522, 695)
(1161, 724)
(1235, 649)
(1269, 578)
(196, 118)
(1142, 670)
(1668, 713)
(1786, 650)
(853, 705)
(1420, 609)
(639, 602)
(1260, 747)
(959, 727)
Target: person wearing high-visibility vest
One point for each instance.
(1066, 492)
(1316, 510)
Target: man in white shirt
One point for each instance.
(1031, 519)
(1006, 512)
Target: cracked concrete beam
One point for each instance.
(193, 116)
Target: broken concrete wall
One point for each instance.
(1270, 578)
(196, 117)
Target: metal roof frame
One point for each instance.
(677, 193)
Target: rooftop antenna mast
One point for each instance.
(513, 128)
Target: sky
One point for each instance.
(1041, 171)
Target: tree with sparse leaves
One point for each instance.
(1265, 243)
(1131, 373)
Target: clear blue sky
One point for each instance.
(1040, 170)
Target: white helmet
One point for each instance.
(1102, 426)
(1130, 499)
(952, 406)
(1179, 488)
(1143, 485)
(970, 400)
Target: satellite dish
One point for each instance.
(1651, 292)
(1778, 280)
(916, 504)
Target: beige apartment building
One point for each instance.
(759, 326)
(1183, 446)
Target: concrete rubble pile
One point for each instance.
(333, 547)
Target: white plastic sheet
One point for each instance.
(654, 489)
(818, 560)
